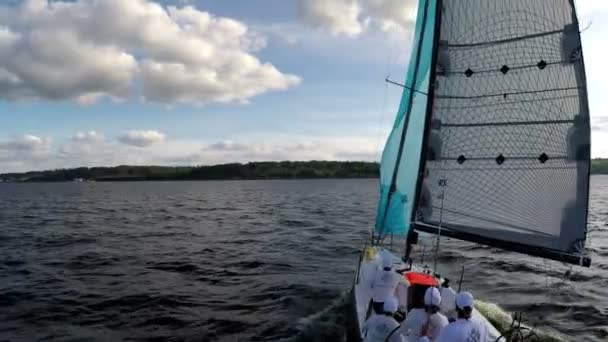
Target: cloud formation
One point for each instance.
(142, 138)
(337, 16)
(88, 137)
(28, 153)
(83, 50)
(26, 142)
(352, 17)
(26, 149)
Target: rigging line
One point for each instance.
(508, 40)
(385, 97)
(443, 191)
(507, 93)
(405, 87)
(383, 115)
(512, 123)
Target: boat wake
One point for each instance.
(329, 324)
(503, 322)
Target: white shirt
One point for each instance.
(436, 323)
(463, 330)
(384, 285)
(378, 327)
(414, 322)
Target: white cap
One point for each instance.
(391, 304)
(387, 260)
(464, 299)
(432, 296)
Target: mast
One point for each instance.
(412, 237)
(429, 115)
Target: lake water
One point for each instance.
(240, 261)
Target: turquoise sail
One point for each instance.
(399, 171)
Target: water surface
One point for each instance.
(239, 261)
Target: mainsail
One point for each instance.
(504, 156)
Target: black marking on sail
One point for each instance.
(461, 159)
(500, 159)
(543, 158)
(504, 69)
(469, 73)
(542, 64)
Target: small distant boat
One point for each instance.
(491, 143)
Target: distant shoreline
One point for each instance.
(232, 171)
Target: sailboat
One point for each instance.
(491, 142)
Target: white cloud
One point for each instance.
(392, 15)
(84, 50)
(337, 16)
(88, 137)
(586, 8)
(23, 150)
(25, 142)
(283, 147)
(352, 17)
(142, 138)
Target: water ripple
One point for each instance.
(247, 261)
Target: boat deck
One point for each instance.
(362, 288)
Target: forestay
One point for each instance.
(507, 137)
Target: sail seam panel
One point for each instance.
(505, 41)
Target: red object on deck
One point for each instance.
(417, 278)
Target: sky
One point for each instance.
(178, 82)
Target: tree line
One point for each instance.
(233, 171)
